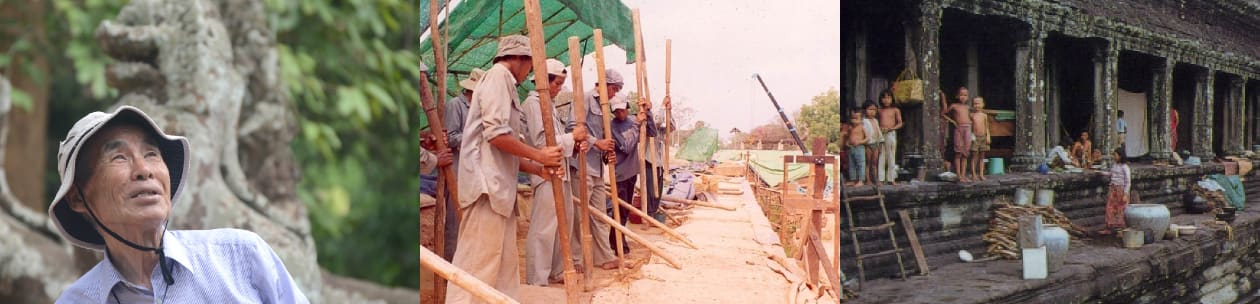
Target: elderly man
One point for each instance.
(490, 158)
(120, 175)
(543, 260)
(603, 254)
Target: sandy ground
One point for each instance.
(730, 266)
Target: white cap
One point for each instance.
(612, 77)
(555, 67)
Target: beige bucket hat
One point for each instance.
(514, 45)
(474, 76)
(72, 225)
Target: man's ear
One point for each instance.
(75, 200)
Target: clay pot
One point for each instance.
(1045, 197)
(1152, 218)
(1057, 241)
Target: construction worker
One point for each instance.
(456, 111)
(595, 159)
(490, 158)
(543, 260)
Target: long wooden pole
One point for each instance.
(538, 51)
(636, 237)
(669, 111)
(579, 116)
(654, 222)
(697, 203)
(641, 81)
(434, 262)
(439, 62)
(612, 166)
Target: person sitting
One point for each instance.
(1083, 155)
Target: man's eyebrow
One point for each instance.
(113, 145)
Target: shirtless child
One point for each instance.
(857, 147)
(960, 114)
(979, 127)
(889, 123)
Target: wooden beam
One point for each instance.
(611, 167)
(579, 107)
(661, 253)
(465, 280)
(914, 242)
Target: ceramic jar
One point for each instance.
(1057, 240)
(1153, 218)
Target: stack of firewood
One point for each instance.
(1004, 225)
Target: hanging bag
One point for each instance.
(908, 89)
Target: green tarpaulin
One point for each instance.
(1234, 191)
(700, 146)
(768, 164)
(474, 27)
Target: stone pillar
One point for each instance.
(1053, 96)
(1234, 121)
(861, 65)
(1106, 100)
(926, 45)
(973, 67)
(1030, 102)
(1159, 104)
(1201, 131)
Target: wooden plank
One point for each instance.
(832, 276)
(809, 159)
(914, 242)
(807, 203)
(465, 280)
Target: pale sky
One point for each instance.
(718, 45)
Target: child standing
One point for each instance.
(889, 123)
(959, 113)
(980, 129)
(875, 140)
(1121, 178)
(857, 141)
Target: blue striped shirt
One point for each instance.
(209, 266)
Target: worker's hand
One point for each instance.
(579, 133)
(645, 106)
(550, 156)
(427, 141)
(445, 159)
(666, 102)
(606, 145)
(640, 117)
(583, 146)
(554, 172)
(610, 157)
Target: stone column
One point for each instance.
(1030, 101)
(1159, 103)
(1106, 100)
(861, 65)
(1201, 134)
(926, 45)
(1053, 96)
(1234, 121)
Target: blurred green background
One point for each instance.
(350, 68)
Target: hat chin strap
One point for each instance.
(160, 250)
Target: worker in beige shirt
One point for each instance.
(544, 262)
(490, 158)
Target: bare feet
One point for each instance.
(892, 183)
(609, 266)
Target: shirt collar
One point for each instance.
(105, 273)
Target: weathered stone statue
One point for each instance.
(204, 69)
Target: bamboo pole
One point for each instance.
(612, 166)
(661, 253)
(439, 62)
(579, 116)
(669, 111)
(439, 266)
(444, 173)
(538, 50)
(641, 82)
(670, 231)
(697, 203)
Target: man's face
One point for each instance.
(621, 114)
(613, 89)
(964, 95)
(520, 66)
(557, 81)
(129, 183)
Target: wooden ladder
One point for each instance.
(886, 226)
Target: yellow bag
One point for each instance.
(908, 89)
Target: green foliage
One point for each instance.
(350, 70)
(822, 118)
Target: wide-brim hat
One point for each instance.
(72, 225)
(473, 77)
